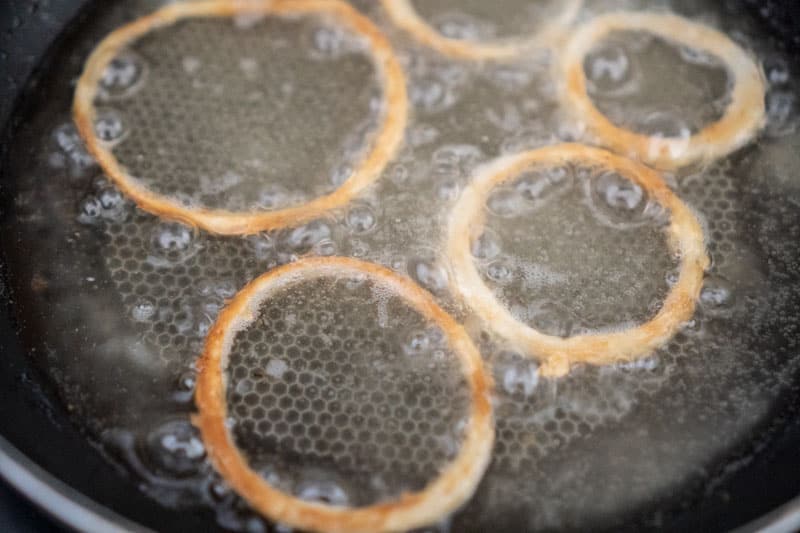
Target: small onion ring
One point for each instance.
(743, 118)
(404, 15)
(456, 482)
(386, 140)
(684, 237)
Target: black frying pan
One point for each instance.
(45, 458)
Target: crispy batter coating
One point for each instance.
(556, 354)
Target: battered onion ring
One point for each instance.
(455, 484)
(404, 15)
(684, 236)
(386, 141)
(743, 117)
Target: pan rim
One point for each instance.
(56, 499)
(780, 517)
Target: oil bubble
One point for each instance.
(110, 199)
(500, 272)
(90, 210)
(619, 193)
(535, 186)
(169, 237)
(428, 273)
(109, 127)
(325, 248)
(262, 245)
(361, 218)
(448, 190)
(717, 294)
(619, 202)
(276, 368)
(665, 125)
(191, 64)
(515, 374)
(461, 26)
(122, 75)
(399, 174)
(328, 42)
(457, 159)
(697, 57)
(487, 246)
(359, 248)
(70, 142)
(341, 174)
(185, 385)
(171, 243)
(187, 381)
(174, 450)
(323, 491)
(417, 344)
(432, 95)
(107, 204)
(143, 310)
(609, 70)
(302, 239)
(781, 118)
(777, 70)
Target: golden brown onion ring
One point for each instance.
(386, 140)
(456, 482)
(742, 119)
(684, 237)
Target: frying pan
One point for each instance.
(47, 459)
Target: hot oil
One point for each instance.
(121, 301)
(475, 21)
(342, 393)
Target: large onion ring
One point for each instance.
(684, 237)
(385, 142)
(456, 482)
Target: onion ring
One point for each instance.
(742, 119)
(403, 14)
(684, 237)
(386, 140)
(455, 484)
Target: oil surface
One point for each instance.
(121, 301)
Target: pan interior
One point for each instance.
(115, 303)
